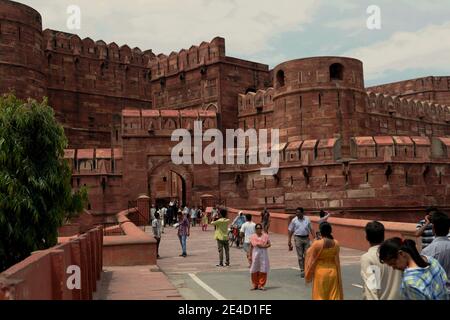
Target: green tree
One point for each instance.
(36, 197)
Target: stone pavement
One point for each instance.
(135, 283)
(197, 276)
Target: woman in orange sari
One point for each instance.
(323, 268)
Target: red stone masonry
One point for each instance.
(21, 51)
(43, 275)
(432, 89)
(130, 248)
(382, 152)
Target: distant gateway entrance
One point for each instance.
(165, 185)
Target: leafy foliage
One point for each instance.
(36, 197)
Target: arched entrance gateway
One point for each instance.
(168, 182)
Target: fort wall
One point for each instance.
(389, 177)
(21, 51)
(382, 152)
(431, 89)
(89, 83)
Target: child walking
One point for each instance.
(204, 221)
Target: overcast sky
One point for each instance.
(414, 39)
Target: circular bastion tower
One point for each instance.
(319, 98)
(22, 67)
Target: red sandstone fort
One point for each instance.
(381, 152)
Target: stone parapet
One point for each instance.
(133, 247)
(349, 232)
(43, 275)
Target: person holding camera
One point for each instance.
(424, 228)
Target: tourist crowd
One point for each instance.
(391, 269)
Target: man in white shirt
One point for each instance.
(301, 228)
(247, 229)
(380, 281)
(152, 212)
(162, 215)
(214, 214)
(193, 214)
(156, 228)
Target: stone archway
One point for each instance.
(167, 182)
(211, 107)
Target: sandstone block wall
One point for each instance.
(21, 51)
(432, 89)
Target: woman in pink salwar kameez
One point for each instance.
(259, 257)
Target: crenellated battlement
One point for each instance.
(433, 89)
(72, 44)
(340, 145)
(194, 57)
(364, 149)
(407, 108)
(256, 102)
(94, 161)
(370, 149)
(163, 122)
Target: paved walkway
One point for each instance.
(197, 277)
(135, 283)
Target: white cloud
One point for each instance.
(427, 48)
(169, 25)
(350, 24)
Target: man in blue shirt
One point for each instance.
(440, 247)
(301, 228)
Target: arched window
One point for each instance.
(280, 78)
(251, 89)
(336, 71)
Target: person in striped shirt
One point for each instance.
(423, 277)
(424, 228)
(440, 247)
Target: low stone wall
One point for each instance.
(279, 222)
(81, 224)
(43, 275)
(349, 232)
(133, 247)
(69, 230)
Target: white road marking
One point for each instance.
(357, 285)
(210, 290)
